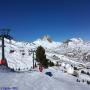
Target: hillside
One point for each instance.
(70, 54)
(73, 51)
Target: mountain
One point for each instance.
(70, 54)
(46, 38)
(74, 41)
(47, 42)
(74, 51)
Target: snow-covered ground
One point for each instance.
(75, 51)
(69, 54)
(34, 80)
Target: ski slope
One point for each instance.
(16, 59)
(66, 54)
(72, 51)
(35, 80)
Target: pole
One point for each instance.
(4, 62)
(4, 34)
(3, 55)
(33, 59)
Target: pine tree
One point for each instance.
(41, 57)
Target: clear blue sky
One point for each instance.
(31, 19)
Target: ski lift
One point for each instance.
(22, 50)
(12, 51)
(29, 52)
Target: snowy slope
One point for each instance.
(16, 59)
(73, 51)
(39, 81)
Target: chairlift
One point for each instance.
(29, 52)
(12, 51)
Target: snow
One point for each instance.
(47, 44)
(70, 70)
(77, 40)
(66, 55)
(34, 80)
(73, 53)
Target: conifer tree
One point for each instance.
(41, 57)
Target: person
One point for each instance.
(40, 68)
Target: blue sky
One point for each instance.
(31, 19)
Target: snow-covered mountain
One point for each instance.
(46, 38)
(69, 54)
(74, 41)
(47, 42)
(73, 50)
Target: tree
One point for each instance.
(51, 64)
(41, 57)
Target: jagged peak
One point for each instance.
(46, 38)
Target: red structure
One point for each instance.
(3, 62)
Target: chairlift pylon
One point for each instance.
(4, 33)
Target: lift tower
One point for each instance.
(4, 33)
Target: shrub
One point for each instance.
(50, 63)
(88, 73)
(83, 72)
